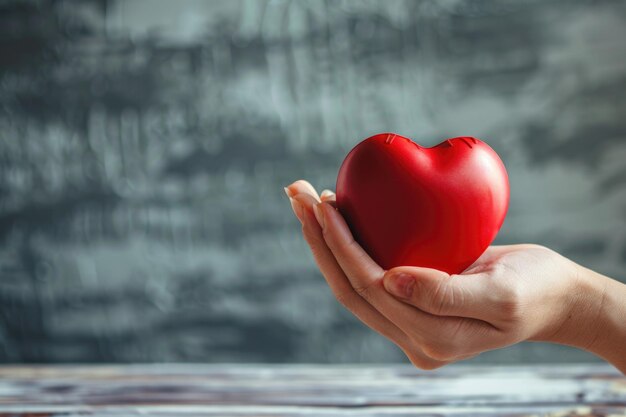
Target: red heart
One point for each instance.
(436, 207)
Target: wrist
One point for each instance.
(609, 341)
(596, 318)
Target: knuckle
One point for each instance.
(501, 270)
(343, 245)
(335, 243)
(511, 303)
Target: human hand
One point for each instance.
(510, 294)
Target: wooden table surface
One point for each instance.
(293, 390)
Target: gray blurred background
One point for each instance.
(144, 145)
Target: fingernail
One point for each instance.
(319, 214)
(326, 192)
(298, 209)
(288, 192)
(400, 285)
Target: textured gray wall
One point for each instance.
(144, 146)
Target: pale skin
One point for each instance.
(509, 295)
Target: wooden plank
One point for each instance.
(310, 390)
(288, 411)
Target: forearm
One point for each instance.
(597, 323)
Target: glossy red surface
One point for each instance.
(436, 207)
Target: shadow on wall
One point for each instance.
(145, 145)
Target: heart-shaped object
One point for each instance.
(436, 207)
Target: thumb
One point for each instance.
(439, 293)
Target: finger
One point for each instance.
(301, 186)
(336, 279)
(441, 294)
(329, 197)
(297, 208)
(468, 299)
(326, 194)
(358, 266)
(436, 292)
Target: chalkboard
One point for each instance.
(144, 146)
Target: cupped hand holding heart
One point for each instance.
(424, 214)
